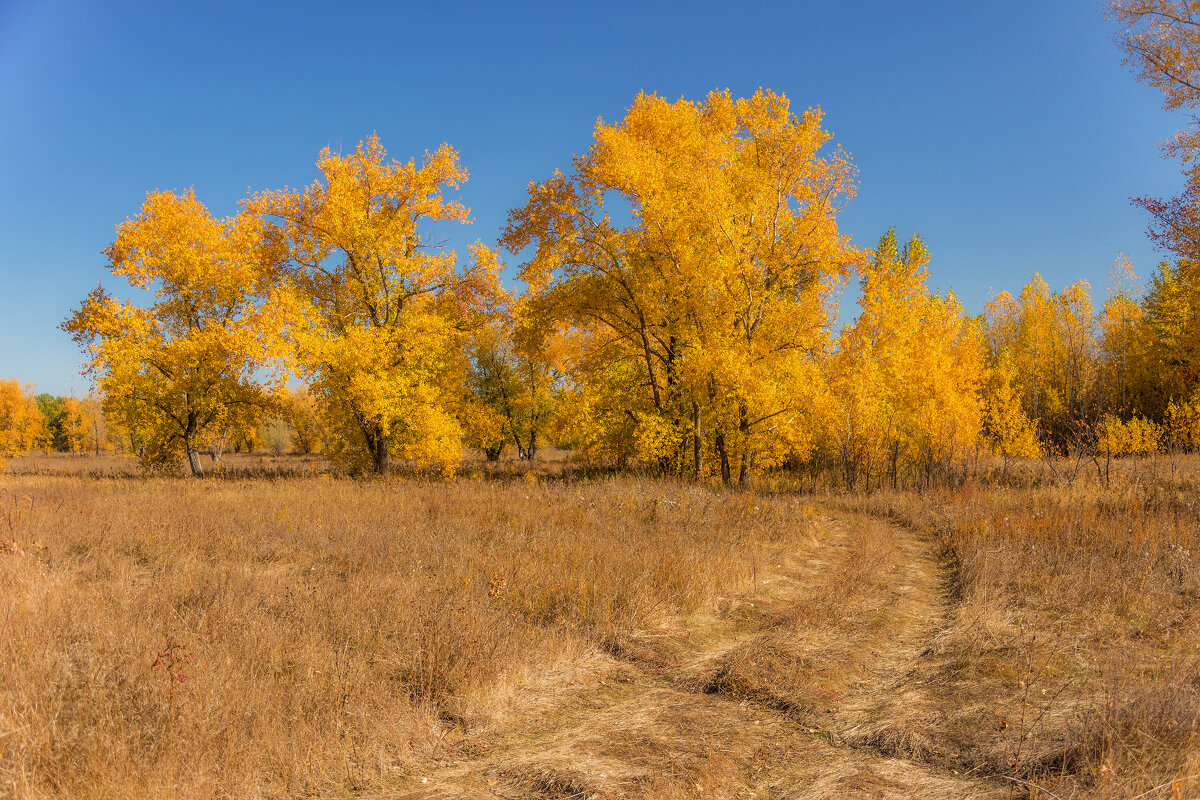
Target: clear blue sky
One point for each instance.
(1007, 133)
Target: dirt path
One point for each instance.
(781, 693)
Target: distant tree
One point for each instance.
(54, 411)
(302, 414)
(1006, 427)
(21, 422)
(185, 366)
(514, 378)
(1051, 338)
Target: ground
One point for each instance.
(280, 632)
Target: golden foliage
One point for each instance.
(20, 420)
(693, 332)
(185, 365)
(906, 375)
(1134, 437)
(373, 314)
(1006, 427)
(1051, 340)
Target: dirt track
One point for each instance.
(784, 691)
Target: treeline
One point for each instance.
(50, 423)
(678, 315)
(78, 425)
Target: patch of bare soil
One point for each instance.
(780, 691)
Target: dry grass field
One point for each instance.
(290, 633)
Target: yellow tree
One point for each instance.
(874, 362)
(21, 421)
(703, 319)
(186, 365)
(1123, 346)
(76, 426)
(514, 375)
(1052, 341)
(1171, 310)
(906, 374)
(1026, 327)
(301, 412)
(1077, 323)
(1006, 427)
(377, 312)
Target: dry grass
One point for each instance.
(1070, 653)
(299, 634)
(330, 635)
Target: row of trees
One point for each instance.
(46, 422)
(679, 311)
(79, 426)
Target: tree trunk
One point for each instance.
(193, 456)
(380, 457)
(696, 439)
(719, 440)
(189, 444)
(747, 457)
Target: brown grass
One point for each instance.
(300, 634)
(331, 633)
(1070, 654)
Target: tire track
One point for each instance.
(776, 696)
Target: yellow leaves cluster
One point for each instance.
(374, 317)
(20, 420)
(1051, 340)
(1134, 437)
(906, 376)
(1006, 427)
(682, 286)
(1181, 426)
(709, 310)
(175, 371)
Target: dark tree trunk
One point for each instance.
(726, 474)
(747, 456)
(380, 457)
(189, 444)
(377, 446)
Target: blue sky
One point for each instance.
(1007, 133)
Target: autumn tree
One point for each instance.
(1171, 309)
(186, 365)
(1161, 41)
(493, 386)
(906, 375)
(377, 310)
(302, 414)
(514, 375)
(690, 260)
(54, 412)
(21, 422)
(1007, 429)
(1052, 340)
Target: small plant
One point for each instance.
(170, 664)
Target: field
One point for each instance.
(288, 633)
